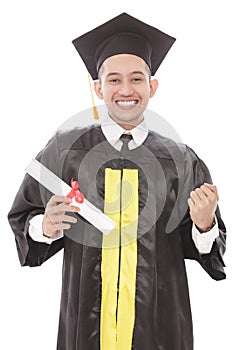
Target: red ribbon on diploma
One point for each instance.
(75, 192)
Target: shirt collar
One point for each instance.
(113, 131)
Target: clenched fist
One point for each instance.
(202, 204)
(56, 217)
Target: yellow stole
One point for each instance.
(119, 260)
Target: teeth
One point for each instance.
(126, 103)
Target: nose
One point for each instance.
(126, 89)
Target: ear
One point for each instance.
(98, 89)
(153, 87)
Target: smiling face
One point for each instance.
(126, 88)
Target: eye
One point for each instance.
(114, 81)
(137, 79)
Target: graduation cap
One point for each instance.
(123, 34)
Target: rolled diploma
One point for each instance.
(57, 186)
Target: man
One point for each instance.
(126, 290)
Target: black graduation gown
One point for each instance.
(167, 173)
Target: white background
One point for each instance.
(43, 83)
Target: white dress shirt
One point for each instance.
(113, 131)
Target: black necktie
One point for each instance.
(125, 138)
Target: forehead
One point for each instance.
(123, 63)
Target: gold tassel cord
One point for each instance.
(95, 112)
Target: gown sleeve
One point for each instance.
(31, 200)
(196, 173)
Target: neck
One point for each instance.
(128, 125)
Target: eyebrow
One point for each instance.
(137, 72)
(113, 73)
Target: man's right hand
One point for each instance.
(56, 217)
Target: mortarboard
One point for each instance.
(123, 34)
